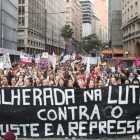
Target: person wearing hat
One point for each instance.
(10, 136)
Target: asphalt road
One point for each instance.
(121, 138)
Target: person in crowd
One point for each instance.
(61, 82)
(111, 81)
(126, 81)
(100, 83)
(5, 81)
(37, 82)
(70, 81)
(96, 81)
(45, 82)
(10, 136)
(131, 76)
(20, 82)
(13, 82)
(28, 82)
(1, 73)
(135, 82)
(90, 83)
(51, 79)
(138, 72)
(79, 80)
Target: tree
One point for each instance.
(67, 33)
(90, 42)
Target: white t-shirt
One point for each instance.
(139, 78)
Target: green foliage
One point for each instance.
(66, 31)
(90, 42)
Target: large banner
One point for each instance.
(29, 58)
(92, 60)
(5, 59)
(63, 112)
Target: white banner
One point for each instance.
(27, 58)
(92, 60)
(1, 66)
(5, 59)
(45, 55)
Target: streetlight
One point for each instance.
(46, 23)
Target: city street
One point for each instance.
(69, 68)
(122, 138)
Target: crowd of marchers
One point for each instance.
(64, 75)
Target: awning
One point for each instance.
(10, 51)
(110, 52)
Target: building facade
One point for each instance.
(95, 23)
(103, 35)
(101, 7)
(8, 26)
(39, 25)
(74, 19)
(131, 27)
(115, 33)
(31, 26)
(56, 19)
(87, 17)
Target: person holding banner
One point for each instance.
(45, 82)
(90, 83)
(71, 80)
(20, 82)
(28, 82)
(60, 82)
(126, 81)
(100, 83)
(13, 82)
(51, 79)
(135, 82)
(37, 82)
(5, 81)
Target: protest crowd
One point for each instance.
(71, 73)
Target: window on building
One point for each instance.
(20, 32)
(29, 33)
(21, 21)
(19, 1)
(32, 34)
(29, 42)
(32, 43)
(21, 10)
(20, 42)
(67, 0)
(23, 1)
(136, 8)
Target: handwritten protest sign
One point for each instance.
(5, 59)
(43, 63)
(29, 58)
(42, 112)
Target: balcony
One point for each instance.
(131, 36)
(137, 32)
